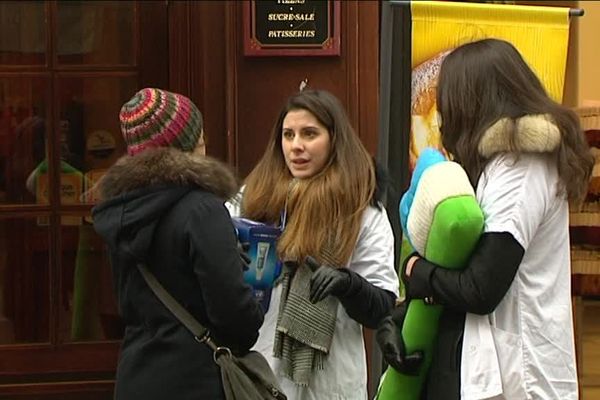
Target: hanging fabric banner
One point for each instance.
(541, 34)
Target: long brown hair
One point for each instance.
(326, 208)
(483, 81)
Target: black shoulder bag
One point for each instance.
(244, 378)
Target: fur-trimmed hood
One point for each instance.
(167, 166)
(532, 134)
(139, 190)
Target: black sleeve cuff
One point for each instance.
(366, 303)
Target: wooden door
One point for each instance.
(66, 67)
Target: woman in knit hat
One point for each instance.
(319, 182)
(162, 205)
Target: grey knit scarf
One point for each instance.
(304, 330)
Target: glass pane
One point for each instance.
(24, 281)
(22, 32)
(90, 133)
(23, 128)
(88, 307)
(96, 32)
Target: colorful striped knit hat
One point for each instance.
(157, 118)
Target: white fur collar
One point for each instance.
(533, 134)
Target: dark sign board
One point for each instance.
(291, 27)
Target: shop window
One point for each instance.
(24, 258)
(24, 123)
(86, 30)
(23, 32)
(66, 67)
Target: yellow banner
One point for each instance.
(541, 34)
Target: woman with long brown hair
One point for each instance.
(506, 331)
(318, 182)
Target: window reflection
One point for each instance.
(23, 134)
(22, 32)
(96, 32)
(88, 308)
(66, 102)
(24, 281)
(91, 139)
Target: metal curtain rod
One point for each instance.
(573, 12)
(576, 12)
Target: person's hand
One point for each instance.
(392, 345)
(407, 269)
(407, 266)
(243, 250)
(410, 263)
(326, 280)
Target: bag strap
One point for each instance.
(201, 334)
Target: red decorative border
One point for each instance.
(331, 47)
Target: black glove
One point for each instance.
(243, 250)
(392, 345)
(326, 281)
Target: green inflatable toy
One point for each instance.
(442, 221)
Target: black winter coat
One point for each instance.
(165, 208)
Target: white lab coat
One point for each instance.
(525, 348)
